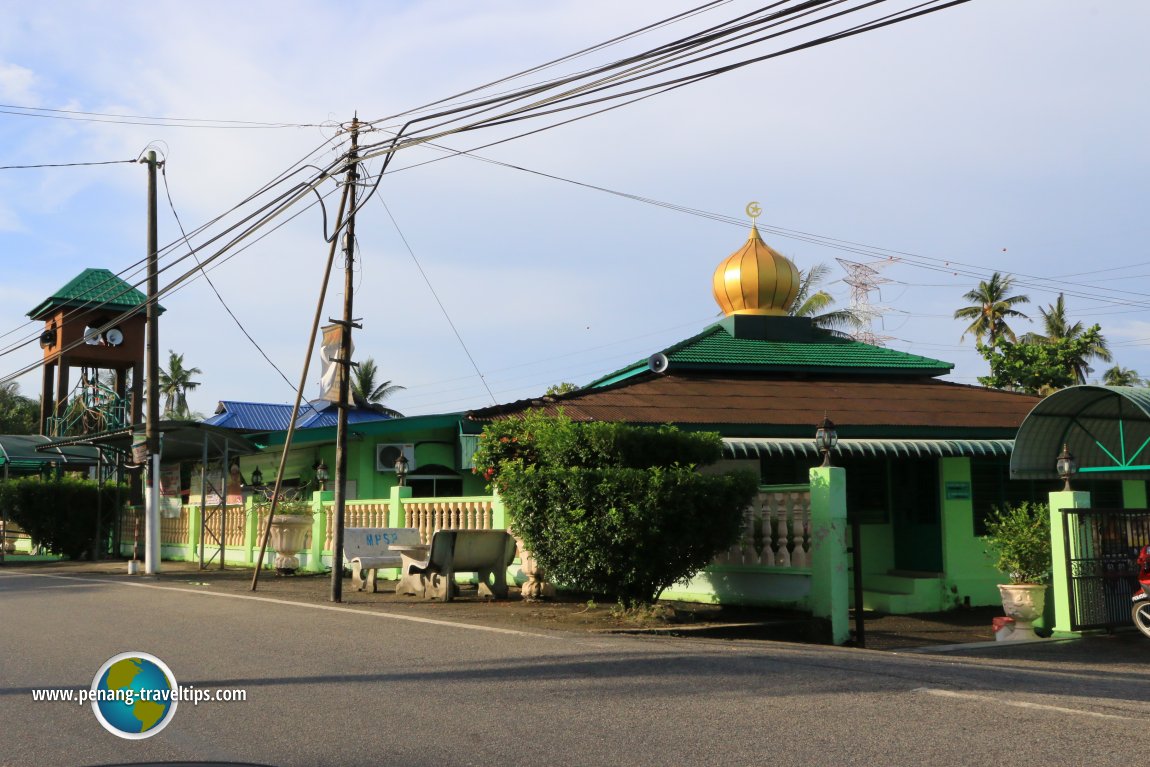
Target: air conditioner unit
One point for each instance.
(386, 456)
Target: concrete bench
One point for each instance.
(487, 553)
(365, 549)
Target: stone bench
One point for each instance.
(365, 549)
(487, 553)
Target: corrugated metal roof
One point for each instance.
(21, 451)
(95, 288)
(734, 447)
(716, 348)
(263, 416)
(791, 406)
(1106, 428)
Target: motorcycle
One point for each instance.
(1140, 610)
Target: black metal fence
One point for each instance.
(1102, 548)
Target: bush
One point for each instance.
(610, 508)
(1019, 536)
(59, 514)
(626, 533)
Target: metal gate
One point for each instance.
(1102, 547)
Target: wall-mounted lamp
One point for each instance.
(825, 439)
(1066, 464)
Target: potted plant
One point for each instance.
(1019, 538)
(290, 527)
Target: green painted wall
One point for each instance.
(877, 548)
(969, 570)
(1134, 494)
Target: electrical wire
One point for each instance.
(65, 164)
(435, 295)
(126, 119)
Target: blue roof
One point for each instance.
(263, 416)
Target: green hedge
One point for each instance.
(610, 508)
(59, 514)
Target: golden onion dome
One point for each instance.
(756, 279)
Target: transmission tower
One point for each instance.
(865, 279)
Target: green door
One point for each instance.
(914, 506)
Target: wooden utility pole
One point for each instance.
(344, 362)
(151, 427)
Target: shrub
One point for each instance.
(60, 514)
(626, 533)
(610, 508)
(1019, 536)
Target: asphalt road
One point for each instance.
(333, 686)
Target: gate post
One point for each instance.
(829, 599)
(1058, 595)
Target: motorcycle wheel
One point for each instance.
(1140, 612)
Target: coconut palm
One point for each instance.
(1057, 327)
(991, 307)
(814, 302)
(366, 393)
(1120, 376)
(175, 383)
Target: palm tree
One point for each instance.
(175, 383)
(990, 308)
(1057, 328)
(811, 301)
(365, 392)
(1120, 376)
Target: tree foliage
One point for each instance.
(367, 393)
(559, 389)
(814, 302)
(18, 414)
(60, 514)
(175, 383)
(1057, 327)
(1120, 376)
(991, 306)
(614, 509)
(1037, 368)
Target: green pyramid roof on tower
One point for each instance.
(93, 289)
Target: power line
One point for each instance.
(435, 295)
(128, 119)
(65, 164)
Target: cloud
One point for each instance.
(16, 84)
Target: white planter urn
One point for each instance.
(289, 535)
(1024, 603)
(536, 587)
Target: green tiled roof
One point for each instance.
(716, 349)
(93, 288)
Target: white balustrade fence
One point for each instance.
(776, 531)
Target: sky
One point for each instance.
(991, 136)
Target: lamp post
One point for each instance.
(825, 439)
(321, 475)
(1066, 464)
(401, 470)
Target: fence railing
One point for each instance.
(776, 530)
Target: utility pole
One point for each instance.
(152, 420)
(344, 362)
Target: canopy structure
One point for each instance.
(179, 441)
(735, 447)
(1106, 428)
(33, 452)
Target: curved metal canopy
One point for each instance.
(1107, 428)
(32, 452)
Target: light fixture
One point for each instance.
(1067, 464)
(321, 475)
(401, 469)
(825, 439)
(257, 477)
